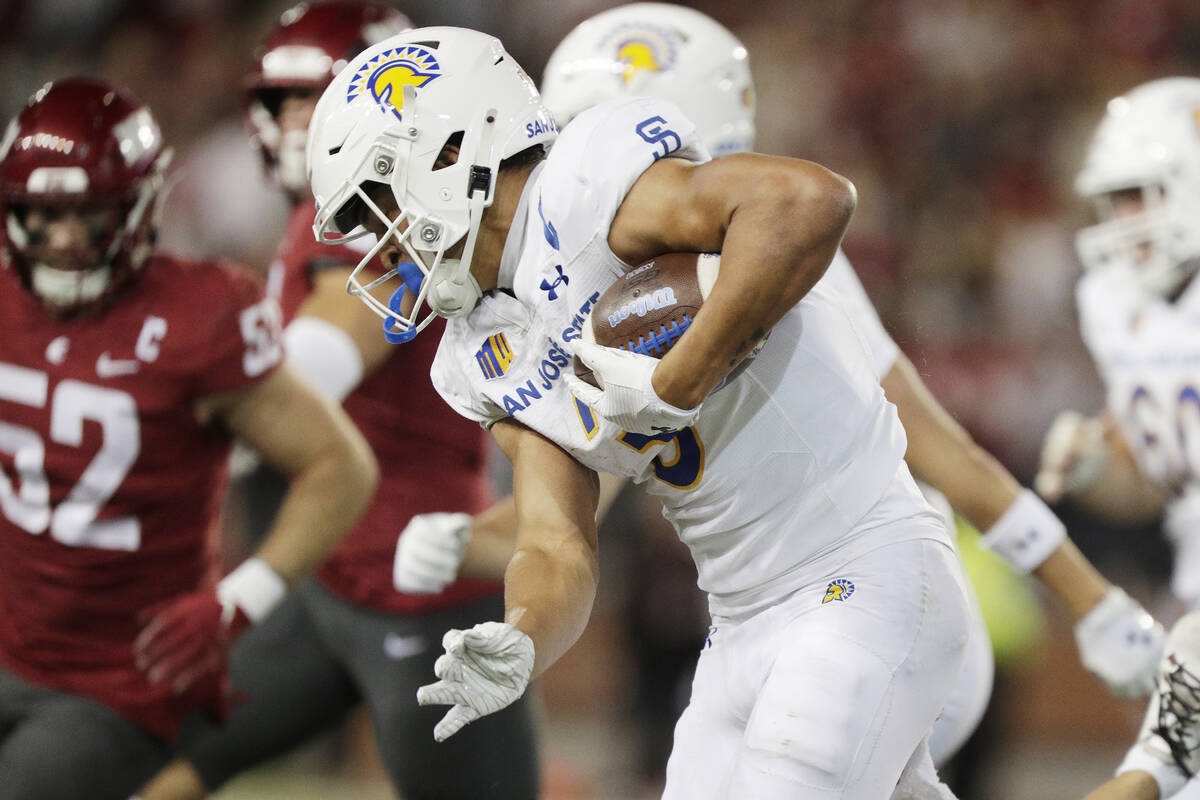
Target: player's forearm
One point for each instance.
(779, 242)
(493, 537)
(548, 595)
(1072, 579)
(943, 454)
(326, 497)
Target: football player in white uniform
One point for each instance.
(840, 617)
(684, 56)
(1138, 306)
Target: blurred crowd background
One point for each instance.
(962, 123)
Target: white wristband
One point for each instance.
(1169, 777)
(253, 587)
(325, 355)
(1027, 533)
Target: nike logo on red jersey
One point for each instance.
(109, 367)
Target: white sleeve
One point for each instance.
(453, 385)
(884, 350)
(324, 354)
(601, 154)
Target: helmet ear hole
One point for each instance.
(448, 156)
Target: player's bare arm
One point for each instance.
(777, 223)
(333, 473)
(494, 532)
(1117, 639)
(551, 580)
(943, 454)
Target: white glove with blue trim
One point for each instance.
(1121, 644)
(628, 398)
(482, 671)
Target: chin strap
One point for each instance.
(458, 293)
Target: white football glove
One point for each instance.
(628, 398)
(1074, 454)
(482, 671)
(429, 552)
(1121, 644)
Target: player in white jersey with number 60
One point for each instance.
(1139, 310)
(787, 481)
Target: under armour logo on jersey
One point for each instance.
(494, 357)
(839, 590)
(552, 288)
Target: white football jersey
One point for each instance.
(781, 463)
(841, 277)
(1147, 352)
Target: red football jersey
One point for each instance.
(109, 485)
(430, 458)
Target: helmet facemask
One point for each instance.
(1135, 231)
(283, 151)
(430, 222)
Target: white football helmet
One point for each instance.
(1149, 141)
(661, 50)
(385, 119)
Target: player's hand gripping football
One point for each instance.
(1121, 644)
(429, 552)
(186, 639)
(482, 671)
(627, 398)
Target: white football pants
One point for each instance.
(829, 699)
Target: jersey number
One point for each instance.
(262, 331)
(684, 470)
(1156, 432)
(73, 521)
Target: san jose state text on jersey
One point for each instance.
(552, 364)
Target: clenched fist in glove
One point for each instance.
(1074, 455)
(628, 398)
(1121, 644)
(187, 638)
(482, 671)
(429, 552)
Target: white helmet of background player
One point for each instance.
(664, 51)
(385, 119)
(1148, 142)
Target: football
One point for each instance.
(650, 307)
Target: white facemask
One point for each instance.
(291, 168)
(64, 288)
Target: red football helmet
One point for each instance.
(311, 44)
(92, 152)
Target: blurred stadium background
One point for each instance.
(962, 123)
